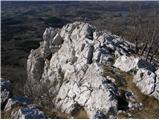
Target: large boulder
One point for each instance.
(148, 82)
(128, 63)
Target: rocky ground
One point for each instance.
(79, 72)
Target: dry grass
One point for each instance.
(82, 114)
(55, 115)
(122, 116)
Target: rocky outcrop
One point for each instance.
(69, 63)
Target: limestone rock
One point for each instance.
(70, 64)
(147, 81)
(128, 63)
(16, 100)
(35, 64)
(78, 43)
(156, 90)
(135, 106)
(5, 91)
(48, 34)
(57, 40)
(29, 112)
(93, 92)
(73, 72)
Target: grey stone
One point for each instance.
(28, 112)
(147, 82)
(5, 92)
(16, 100)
